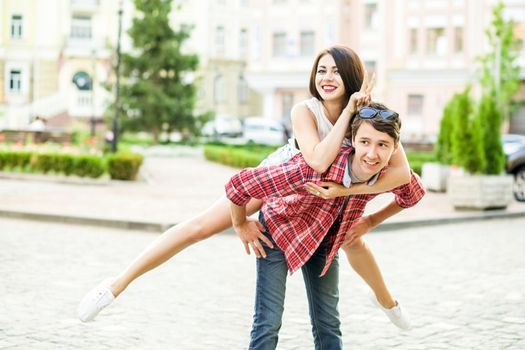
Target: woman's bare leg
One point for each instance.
(363, 262)
(213, 220)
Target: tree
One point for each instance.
(460, 140)
(156, 94)
(490, 117)
(466, 141)
(499, 69)
(444, 140)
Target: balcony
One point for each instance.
(84, 6)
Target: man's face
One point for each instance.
(373, 150)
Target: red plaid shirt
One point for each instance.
(297, 220)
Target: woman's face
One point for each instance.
(328, 82)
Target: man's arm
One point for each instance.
(367, 223)
(407, 196)
(275, 180)
(263, 182)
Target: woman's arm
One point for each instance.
(318, 154)
(397, 174)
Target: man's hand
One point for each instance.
(359, 228)
(251, 233)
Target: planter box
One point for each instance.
(434, 176)
(480, 192)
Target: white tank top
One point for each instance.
(289, 150)
(324, 126)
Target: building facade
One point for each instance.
(56, 56)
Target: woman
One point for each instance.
(320, 124)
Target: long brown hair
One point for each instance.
(349, 66)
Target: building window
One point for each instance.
(370, 15)
(307, 43)
(413, 41)
(436, 41)
(15, 81)
(279, 44)
(415, 104)
(243, 42)
(243, 90)
(220, 40)
(458, 39)
(219, 89)
(16, 26)
(81, 28)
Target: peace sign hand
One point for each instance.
(361, 97)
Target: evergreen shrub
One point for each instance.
(124, 166)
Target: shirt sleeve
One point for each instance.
(269, 181)
(409, 194)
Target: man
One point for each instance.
(307, 231)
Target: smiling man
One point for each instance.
(307, 231)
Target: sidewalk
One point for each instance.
(174, 189)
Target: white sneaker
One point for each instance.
(396, 315)
(95, 300)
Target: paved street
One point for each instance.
(463, 284)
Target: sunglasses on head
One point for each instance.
(370, 113)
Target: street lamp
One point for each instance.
(93, 119)
(114, 141)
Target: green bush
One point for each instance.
(124, 166)
(12, 160)
(417, 159)
(491, 117)
(44, 162)
(236, 156)
(466, 144)
(120, 166)
(65, 163)
(89, 166)
(460, 139)
(443, 146)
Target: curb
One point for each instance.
(493, 215)
(158, 227)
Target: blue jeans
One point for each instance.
(322, 293)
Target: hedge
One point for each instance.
(119, 166)
(249, 156)
(236, 156)
(124, 166)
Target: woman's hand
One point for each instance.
(326, 190)
(361, 97)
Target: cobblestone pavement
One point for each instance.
(463, 284)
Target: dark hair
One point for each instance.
(390, 126)
(349, 66)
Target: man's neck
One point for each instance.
(355, 170)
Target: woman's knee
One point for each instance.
(357, 246)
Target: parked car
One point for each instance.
(264, 131)
(222, 126)
(514, 149)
